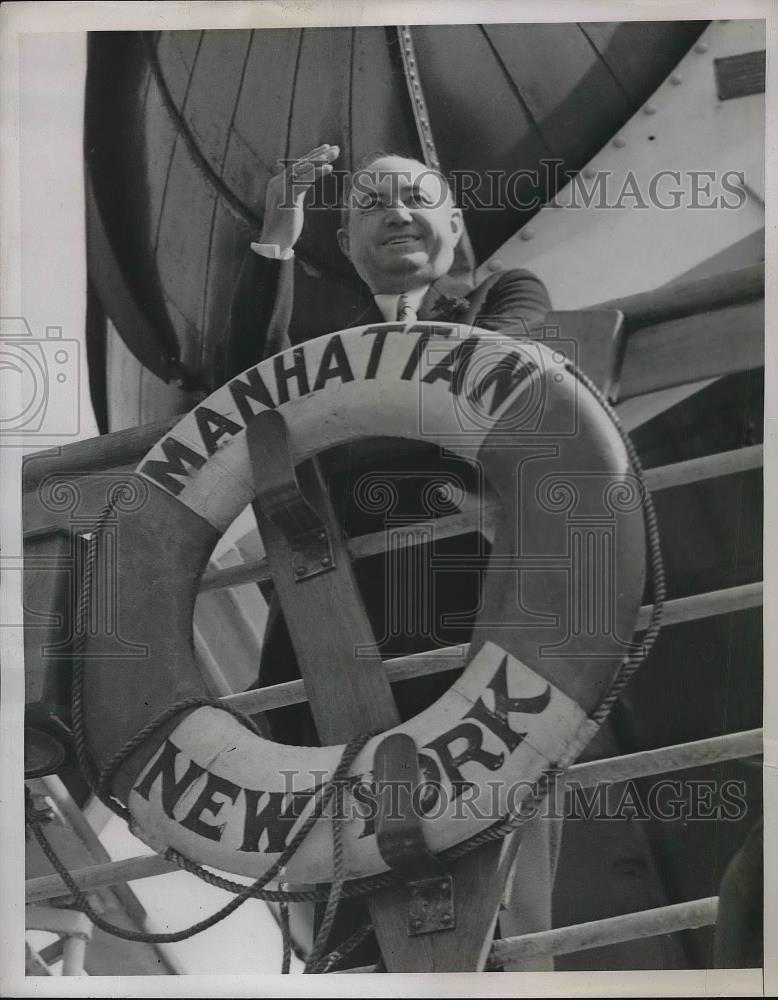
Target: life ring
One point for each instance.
(561, 593)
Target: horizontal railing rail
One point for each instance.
(659, 478)
(438, 661)
(681, 299)
(612, 930)
(598, 933)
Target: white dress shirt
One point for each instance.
(388, 303)
(273, 251)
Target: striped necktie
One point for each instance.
(405, 311)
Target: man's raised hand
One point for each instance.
(285, 195)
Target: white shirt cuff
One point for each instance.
(273, 251)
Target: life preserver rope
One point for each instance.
(541, 656)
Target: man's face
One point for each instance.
(402, 226)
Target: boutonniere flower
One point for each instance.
(449, 308)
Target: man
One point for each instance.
(400, 230)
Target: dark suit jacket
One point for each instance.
(261, 313)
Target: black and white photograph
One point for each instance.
(384, 405)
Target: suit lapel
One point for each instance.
(430, 304)
(434, 304)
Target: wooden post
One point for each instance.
(349, 692)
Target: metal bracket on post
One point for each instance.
(400, 838)
(281, 497)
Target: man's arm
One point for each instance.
(512, 302)
(261, 305)
(260, 311)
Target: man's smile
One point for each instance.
(401, 240)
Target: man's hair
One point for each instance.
(368, 161)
